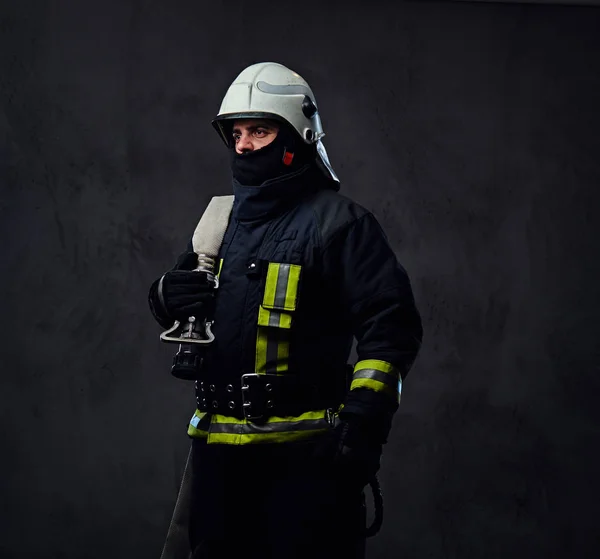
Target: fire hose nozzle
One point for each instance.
(192, 335)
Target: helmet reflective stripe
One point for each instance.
(283, 89)
(270, 90)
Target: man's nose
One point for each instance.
(244, 144)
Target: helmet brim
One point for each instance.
(220, 123)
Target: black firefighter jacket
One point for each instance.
(303, 270)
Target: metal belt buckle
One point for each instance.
(252, 403)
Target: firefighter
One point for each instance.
(286, 434)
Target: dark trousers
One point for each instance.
(272, 501)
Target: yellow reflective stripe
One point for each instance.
(271, 285)
(199, 425)
(220, 266)
(264, 316)
(272, 423)
(230, 430)
(376, 375)
(262, 344)
(281, 288)
(272, 355)
(283, 355)
(373, 385)
(275, 437)
(378, 365)
(222, 429)
(382, 378)
(281, 293)
(291, 294)
(274, 319)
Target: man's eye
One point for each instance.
(261, 131)
(236, 137)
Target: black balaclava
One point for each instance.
(286, 154)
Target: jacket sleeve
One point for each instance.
(158, 311)
(375, 295)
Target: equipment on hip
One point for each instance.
(271, 90)
(192, 335)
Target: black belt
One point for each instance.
(258, 397)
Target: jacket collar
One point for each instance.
(275, 196)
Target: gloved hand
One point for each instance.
(185, 292)
(352, 451)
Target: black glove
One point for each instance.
(184, 292)
(352, 451)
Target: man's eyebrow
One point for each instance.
(266, 125)
(254, 127)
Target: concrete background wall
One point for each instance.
(471, 131)
(561, 2)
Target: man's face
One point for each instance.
(250, 134)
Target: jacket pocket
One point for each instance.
(280, 298)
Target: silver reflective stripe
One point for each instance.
(283, 89)
(270, 427)
(391, 381)
(282, 284)
(274, 317)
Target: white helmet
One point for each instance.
(270, 90)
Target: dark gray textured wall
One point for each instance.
(471, 130)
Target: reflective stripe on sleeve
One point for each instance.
(376, 375)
